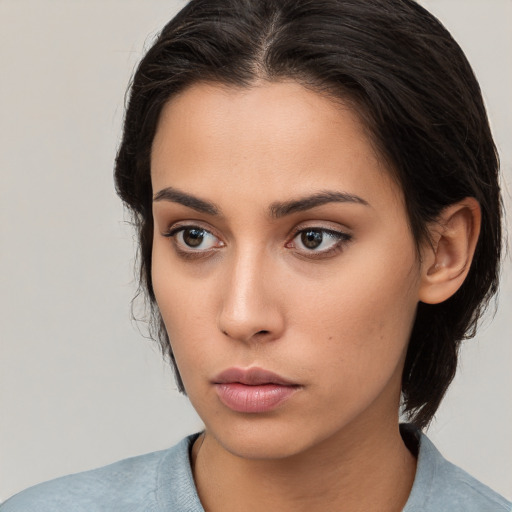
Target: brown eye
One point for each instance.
(193, 237)
(318, 242)
(311, 239)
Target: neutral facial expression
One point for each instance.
(281, 244)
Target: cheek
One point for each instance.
(183, 324)
(359, 319)
(177, 297)
(354, 349)
(186, 304)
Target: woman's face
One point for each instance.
(281, 245)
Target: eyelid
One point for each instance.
(322, 224)
(330, 227)
(175, 229)
(343, 237)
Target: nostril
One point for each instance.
(262, 332)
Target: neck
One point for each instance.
(359, 469)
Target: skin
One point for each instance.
(334, 319)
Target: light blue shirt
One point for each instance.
(163, 482)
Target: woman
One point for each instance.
(315, 188)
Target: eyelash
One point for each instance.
(190, 253)
(340, 240)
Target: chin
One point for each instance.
(262, 439)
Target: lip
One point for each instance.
(253, 390)
(253, 376)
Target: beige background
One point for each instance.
(79, 386)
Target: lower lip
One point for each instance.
(261, 398)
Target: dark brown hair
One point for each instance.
(411, 84)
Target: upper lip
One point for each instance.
(251, 377)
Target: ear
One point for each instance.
(447, 258)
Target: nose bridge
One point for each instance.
(248, 305)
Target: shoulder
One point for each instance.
(441, 486)
(132, 484)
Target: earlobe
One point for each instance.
(447, 258)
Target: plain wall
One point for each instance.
(79, 386)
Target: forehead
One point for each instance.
(279, 134)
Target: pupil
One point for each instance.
(311, 239)
(193, 237)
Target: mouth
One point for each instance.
(253, 390)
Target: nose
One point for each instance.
(250, 309)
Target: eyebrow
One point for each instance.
(188, 200)
(306, 203)
(277, 209)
